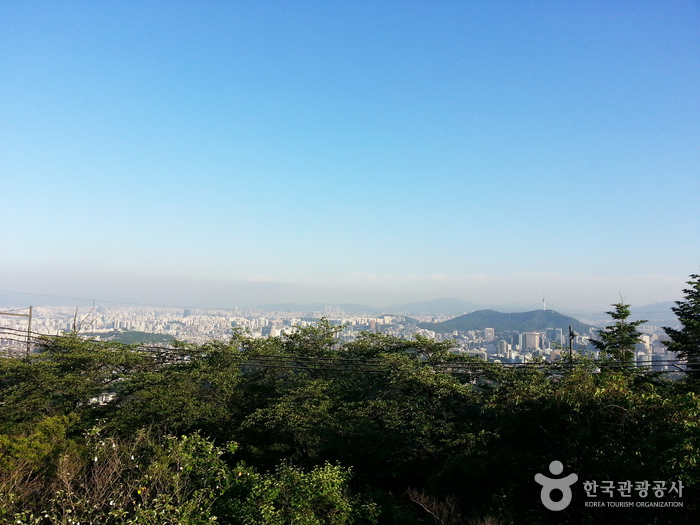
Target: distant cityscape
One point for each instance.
(152, 325)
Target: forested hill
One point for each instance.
(521, 322)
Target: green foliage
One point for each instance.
(379, 429)
(67, 375)
(184, 396)
(618, 339)
(290, 495)
(518, 321)
(96, 478)
(25, 456)
(131, 337)
(604, 426)
(313, 341)
(686, 341)
(181, 482)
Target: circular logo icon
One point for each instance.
(550, 484)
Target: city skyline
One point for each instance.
(374, 153)
(492, 336)
(658, 313)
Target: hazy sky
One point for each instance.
(366, 151)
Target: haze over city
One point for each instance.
(220, 154)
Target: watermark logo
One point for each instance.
(550, 484)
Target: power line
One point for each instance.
(14, 310)
(339, 363)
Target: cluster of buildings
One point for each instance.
(551, 344)
(190, 325)
(200, 326)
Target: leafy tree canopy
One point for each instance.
(685, 342)
(618, 340)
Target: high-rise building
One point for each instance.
(555, 335)
(529, 340)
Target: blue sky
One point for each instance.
(377, 152)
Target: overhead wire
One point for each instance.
(13, 310)
(330, 363)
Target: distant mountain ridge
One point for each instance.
(349, 308)
(442, 306)
(657, 314)
(445, 306)
(500, 321)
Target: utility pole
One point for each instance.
(29, 327)
(29, 330)
(572, 334)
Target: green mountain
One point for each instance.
(132, 337)
(521, 322)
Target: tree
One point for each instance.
(618, 340)
(319, 496)
(66, 375)
(686, 341)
